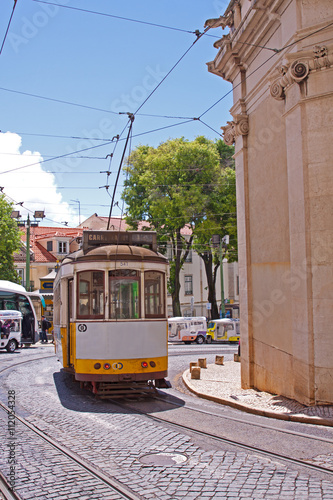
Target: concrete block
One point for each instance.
(193, 364)
(195, 373)
(202, 362)
(219, 360)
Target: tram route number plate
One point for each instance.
(82, 327)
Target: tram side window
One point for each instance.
(91, 294)
(154, 295)
(124, 294)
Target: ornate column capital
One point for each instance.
(239, 126)
(298, 69)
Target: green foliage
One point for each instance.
(182, 185)
(10, 241)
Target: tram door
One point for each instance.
(70, 302)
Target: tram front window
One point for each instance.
(124, 294)
(154, 295)
(91, 294)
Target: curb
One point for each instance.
(256, 411)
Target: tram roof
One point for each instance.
(115, 252)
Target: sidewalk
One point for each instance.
(222, 384)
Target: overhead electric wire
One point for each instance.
(104, 14)
(8, 26)
(59, 101)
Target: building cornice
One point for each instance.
(298, 67)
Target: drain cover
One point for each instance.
(163, 459)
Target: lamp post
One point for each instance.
(27, 223)
(78, 201)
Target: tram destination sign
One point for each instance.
(93, 239)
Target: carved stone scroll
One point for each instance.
(299, 69)
(240, 126)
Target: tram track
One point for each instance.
(250, 448)
(115, 486)
(125, 492)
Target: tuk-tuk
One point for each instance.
(187, 330)
(10, 330)
(224, 329)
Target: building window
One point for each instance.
(188, 285)
(20, 272)
(62, 246)
(49, 246)
(189, 257)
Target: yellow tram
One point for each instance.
(110, 319)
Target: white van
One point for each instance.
(223, 329)
(10, 330)
(182, 329)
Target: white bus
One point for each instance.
(14, 297)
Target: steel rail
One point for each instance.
(269, 454)
(85, 464)
(239, 420)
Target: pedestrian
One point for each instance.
(45, 325)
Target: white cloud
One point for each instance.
(32, 185)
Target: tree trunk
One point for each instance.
(207, 258)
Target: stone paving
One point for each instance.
(116, 442)
(222, 383)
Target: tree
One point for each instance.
(170, 187)
(10, 241)
(220, 220)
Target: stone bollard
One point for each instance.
(192, 364)
(195, 373)
(219, 360)
(237, 358)
(202, 362)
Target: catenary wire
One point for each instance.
(156, 25)
(8, 26)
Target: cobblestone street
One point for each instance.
(128, 447)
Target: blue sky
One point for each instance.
(100, 62)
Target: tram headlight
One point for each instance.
(144, 364)
(97, 366)
(106, 366)
(152, 364)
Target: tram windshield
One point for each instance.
(124, 294)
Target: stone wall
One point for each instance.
(279, 58)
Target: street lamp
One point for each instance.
(37, 215)
(78, 201)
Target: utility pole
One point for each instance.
(27, 256)
(39, 214)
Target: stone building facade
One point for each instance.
(278, 55)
